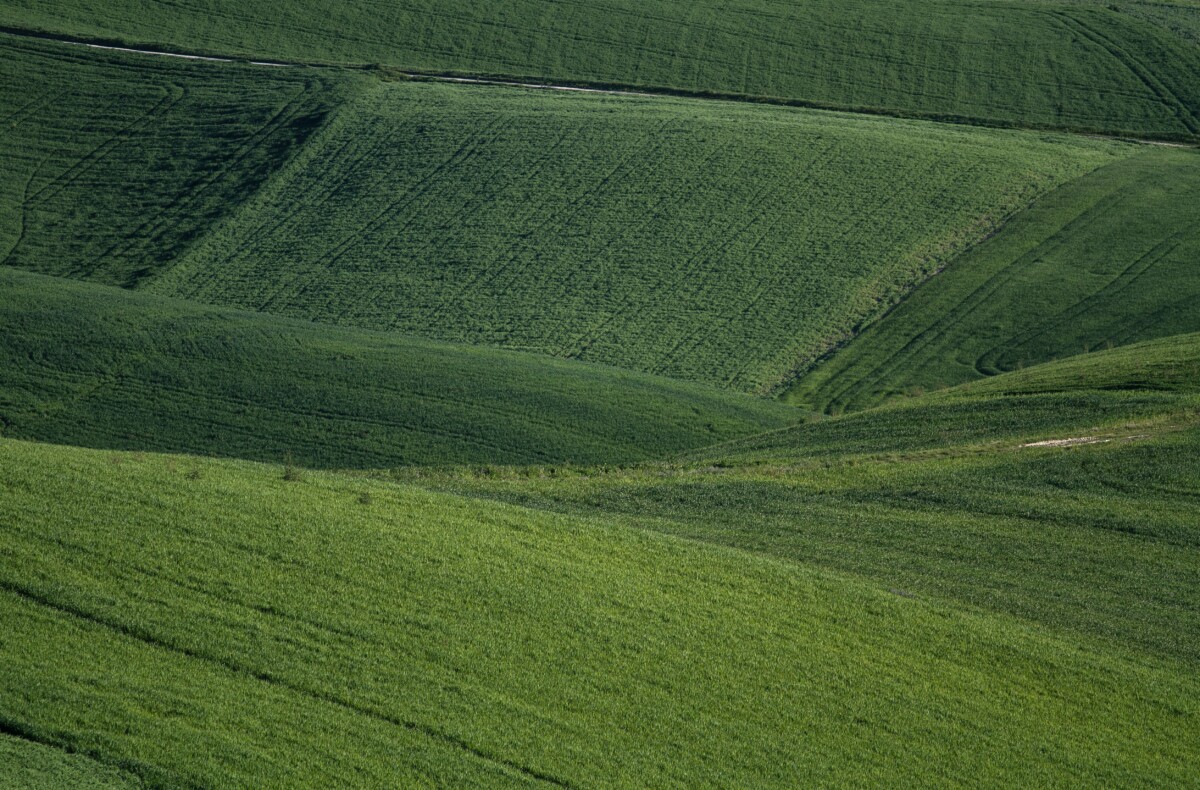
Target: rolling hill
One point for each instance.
(102, 367)
(1107, 260)
(708, 241)
(1113, 68)
(229, 623)
(976, 494)
(605, 393)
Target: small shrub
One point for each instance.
(365, 498)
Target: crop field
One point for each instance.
(114, 164)
(1104, 261)
(958, 495)
(707, 241)
(97, 366)
(278, 632)
(599, 393)
(34, 766)
(1115, 68)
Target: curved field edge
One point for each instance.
(115, 164)
(1065, 65)
(1064, 495)
(272, 630)
(704, 241)
(99, 366)
(1103, 261)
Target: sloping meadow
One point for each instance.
(706, 241)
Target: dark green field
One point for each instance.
(96, 366)
(1115, 68)
(811, 400)
(115, 164)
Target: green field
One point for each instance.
(707, 241)
(271, 632)
(115, 164)
(34, 766)
(1104, 261)
(811, 400)
(940, 497)
(1116, 68)
(97, 366)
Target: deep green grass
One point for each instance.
(114, 164)
(98, 366)
(707, 241)
(1104, 261)
(939, 497)
(1067, 65)
(241, 629)
(29, 765)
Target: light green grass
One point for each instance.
(114, 164)
(1067, 65)
(700, 240)
(1104, 261)
(241, 629)
(939, 496)
(98, 366)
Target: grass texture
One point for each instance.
(1115, 68)
(943, 496)
(233, 627)
(30, 765)
(114, 164)
(99, 366)
(1107, 260)
(707, 241)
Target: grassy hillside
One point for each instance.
(97, 366)
(943, 497)
(237, 628)
(33, 766)
(113, 163)
(701, 240)
(1103, 67)
(1106, 260)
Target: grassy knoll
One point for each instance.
(232, 627)
(114, 164)
(708, 241)
(99, 366)
(1106, 260)
(939, 497)
(1104, 67)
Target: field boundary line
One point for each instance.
(1179, 140)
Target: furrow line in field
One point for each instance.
(147, 637)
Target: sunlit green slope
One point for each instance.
(98, 366)
(213, 623)
(1064, 494)
(1095, 66)
(701, 240)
